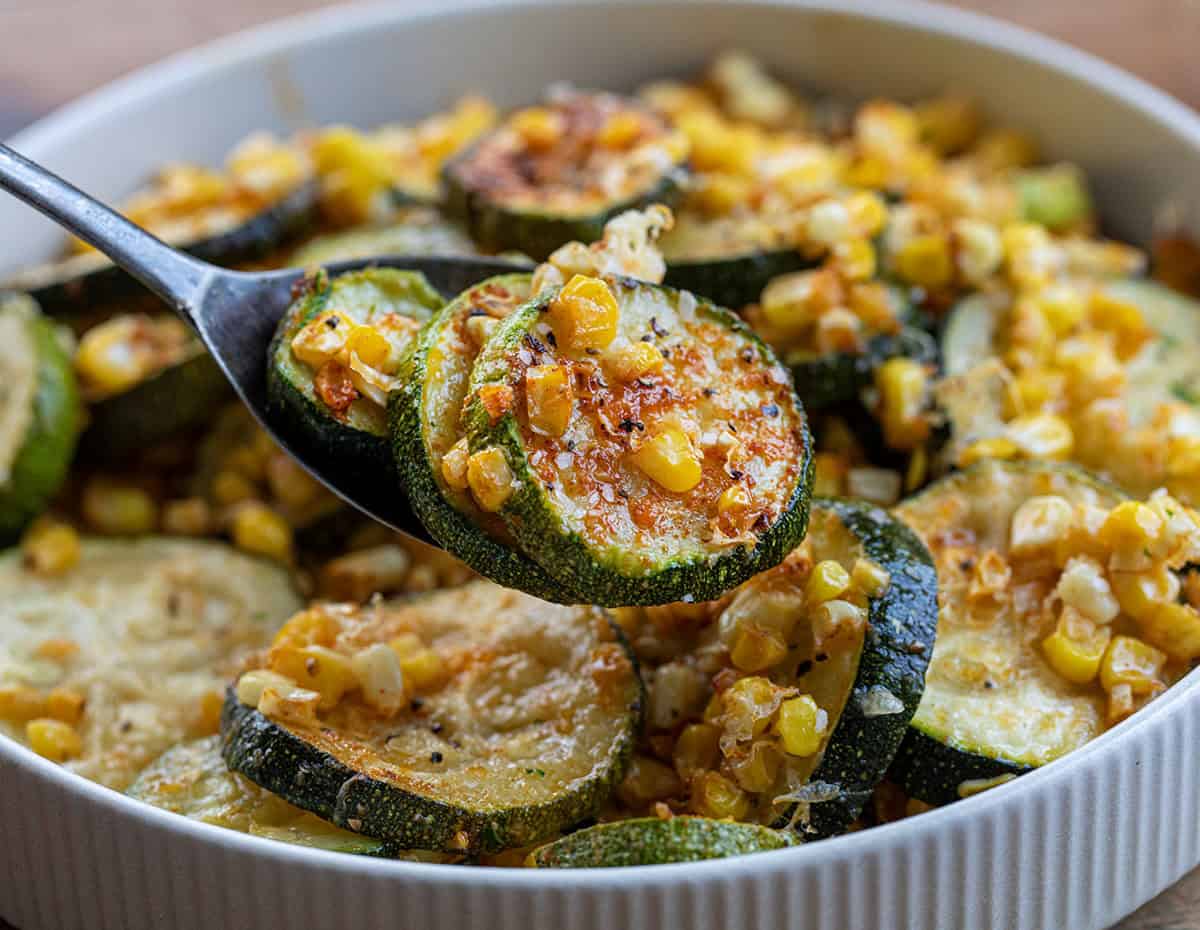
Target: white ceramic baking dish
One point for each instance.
(1075, 845)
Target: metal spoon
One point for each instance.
(235, 313)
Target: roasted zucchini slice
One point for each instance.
(39, 413)
(334, 358)
(74, 284)
(557, 173)
(146, 633)
(653, 841)
(415, 231)
(429, 439)
(993, 706)
(642, 445)
(512, 720)
(727, 259)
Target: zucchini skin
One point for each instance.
(652, 841)
(566, 556)
(453, 529)
(497, 229)
(307, 777)
(902, 625)
(171, 401)
(736, 281)
(365, 452)
(42, 463)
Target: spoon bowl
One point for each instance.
(235, 313)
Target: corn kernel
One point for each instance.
(539, 127)
(980, 251)
(188, 516)
(830, 479)
(584, 315)
(370, 347)
(490, 478)
(870, 578)
(1083, 586)
(855, 259)
(925, 261)
(378, 671)
(231, 487)
(755, 698)
(454, 465)
(1131, 527)
(208, 714)
(718, 194)
(253, 684)
(648, 780)
(827, 581)
(53, 739)
(755, 650)
(995, 447)
(714, 795)
(620, 130)
(868, 213)
(697, 749)
(354, 172)
(1038, 524)
(323, 338)
(634, 360)
(549, 398)
(903, 386)
(837, 620)
(1129, 661)
(1004, 149)
(1042, 436)
(294, 705)
(20, 703)
(258, 529)
(1140, 594)
(1173, 628)
(757, 768)
(670, 460)
(828, 223)
(1076, 659)
(311, 627)
(50, 549)
(118, 510)
(110, 359)
(66, 705)
(316, 668)
(423, 669)
(800, 726)
(949, 124)
(1121, 318)
(717, 146)
(1120, 704)
(57, 649)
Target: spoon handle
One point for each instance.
(177, 278)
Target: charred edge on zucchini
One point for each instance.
(615, 416)
(651, 841)
(434, 381)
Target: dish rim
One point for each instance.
(264, 41)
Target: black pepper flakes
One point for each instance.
(804, 668)
(709, 392)
(416, 704)
(550, 338)
(435, 757)
(331, 322)
(436, 728)
(627, 425)
(535, 343)
(822, 657)
(748, 355)
(658, 330)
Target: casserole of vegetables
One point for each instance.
(816, 465)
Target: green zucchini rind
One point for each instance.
(74, 284)
(358, 438)
(964, 730)
(528, 737)
(652, 841)
(676, 558)
(40, 413)
(488, 186)
(871, 688)
(415, 231)
(425, 415)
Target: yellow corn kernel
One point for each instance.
(53, 739)
(830, 478)
(1121, 318)
(490, 478)
(208, 714)
(722, 193)
(230, 487)
(868, 213)
(57, 649)
(669, 459)
(50, 548)
(1183, 456)
(1077, 659)
(620, 130)
(903, 385)
(870, 578)
(1004, 149)
(1030, 391)
(294, 705)
(316, 668)
(549, 398)
(1063, 307)
(838, 330)
(1140, 594)
(188, 516)
(801, 726)
(950, 124)
(714, 709)
(717, 146)
(290, 484)
(714, 795)
(980, 250)
(755, 650)
(996, 447)
(757, 768)
(454, 465)
(1131, 527)
(855, 259)
(66, 705)
(1090, 366)
(117, 509)
(1038, 524)
(697, 749)
(423, 669)
(20, 703)
(917, 470)
(540, 128)
(1120, 704)
(791, 302)
(1042, 436)
(754, 697)
(258, 529)
(311, 627)
(323, 338)
(584, 315)
(734, 506)
(1129, 661)
(828, 223)
(871, 171)
(108, 359)
(633, 361)
(647, 781)
(1173, 628)
(379, 674)
(371, 348)
(925, 261)
(1029, 254)
(827, 581)
(253, 684)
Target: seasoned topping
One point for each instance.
(124, 351)
(550, 398)
(584, 315)
(670, 460)
(490, 478)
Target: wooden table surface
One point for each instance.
(58, 49)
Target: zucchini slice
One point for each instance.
(151, 629)
(992, 707)
(557, 173)
(394, 303)
(728, 260)
(426, 418)
(524, 734)
(653, 841)
(74, 284)
(584, 503)
(415, 231)
(39, 413)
